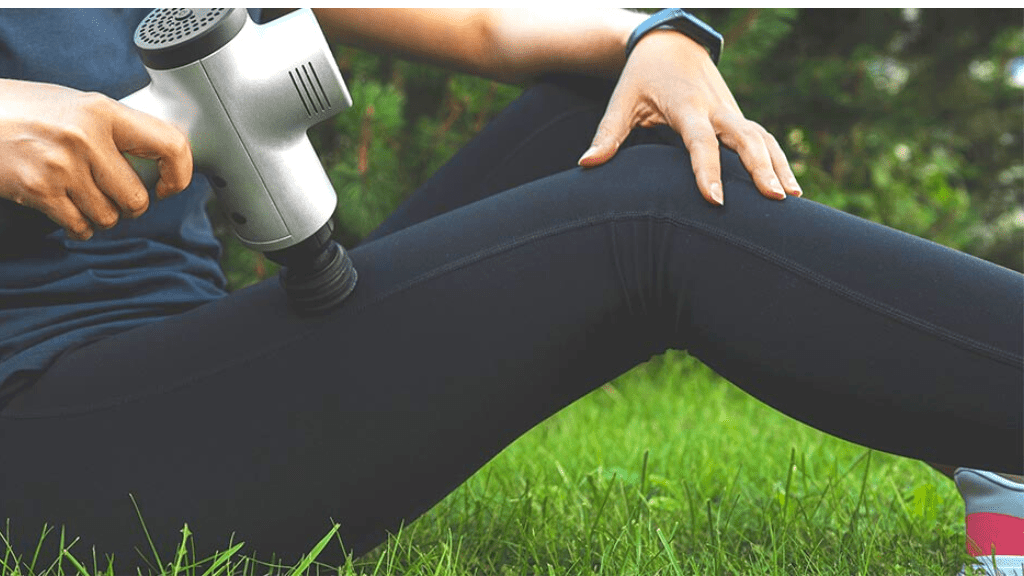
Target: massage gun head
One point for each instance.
(245, 95)
(172, 37)
(318, 273)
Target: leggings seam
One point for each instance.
(950, 336)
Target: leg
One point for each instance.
(560, 114)
(543, 132)
(471, 327)
(949, 471)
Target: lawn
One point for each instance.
(671, 470)
(667, 470)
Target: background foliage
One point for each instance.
(907, 117)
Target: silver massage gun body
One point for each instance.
(245, 95)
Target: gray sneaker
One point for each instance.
(995, 522)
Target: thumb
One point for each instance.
(612, 130)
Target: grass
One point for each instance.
(668, 470)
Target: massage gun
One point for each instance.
(245, 95)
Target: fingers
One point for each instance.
(55, 200)
(670, 80)
(112, 188)
(781, 165)
(746, 139)
(67, 215)
(58, 184)
(611, 131)
(94, 193)
(142, 135)
(122, 184)
(94, 204)
(61, 154)
(75, 203)
(105, 190)
(758, 149)
(702, 143)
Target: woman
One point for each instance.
(509, 284)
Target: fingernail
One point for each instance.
(776, 187)
(716, 193)
(796, 187)
(587, 155)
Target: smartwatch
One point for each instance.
(682, 21)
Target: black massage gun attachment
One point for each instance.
(317, 275)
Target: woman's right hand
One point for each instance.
(61, 153)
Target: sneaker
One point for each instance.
(995, 521)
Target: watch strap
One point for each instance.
(682, 21)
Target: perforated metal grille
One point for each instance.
(169, 26)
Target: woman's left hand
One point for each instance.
(670, 79)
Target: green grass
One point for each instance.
(667, 470)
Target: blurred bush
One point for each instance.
(911, 118)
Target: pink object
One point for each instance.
(986, 530)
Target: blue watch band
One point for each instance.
(683, 21)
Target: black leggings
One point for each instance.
(505, 288)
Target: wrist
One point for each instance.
(629, 22)
(665, 39)
(625, 23)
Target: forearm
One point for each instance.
(511, 45)
(528, 43)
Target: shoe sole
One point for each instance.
(1004, 566)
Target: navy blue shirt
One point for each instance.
(66, 293)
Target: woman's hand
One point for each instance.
(61, 154)
(670, 79)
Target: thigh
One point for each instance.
(200, 357)
(238, 417)
(470, 327)
(543, 132)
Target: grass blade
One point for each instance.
(308, 559)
